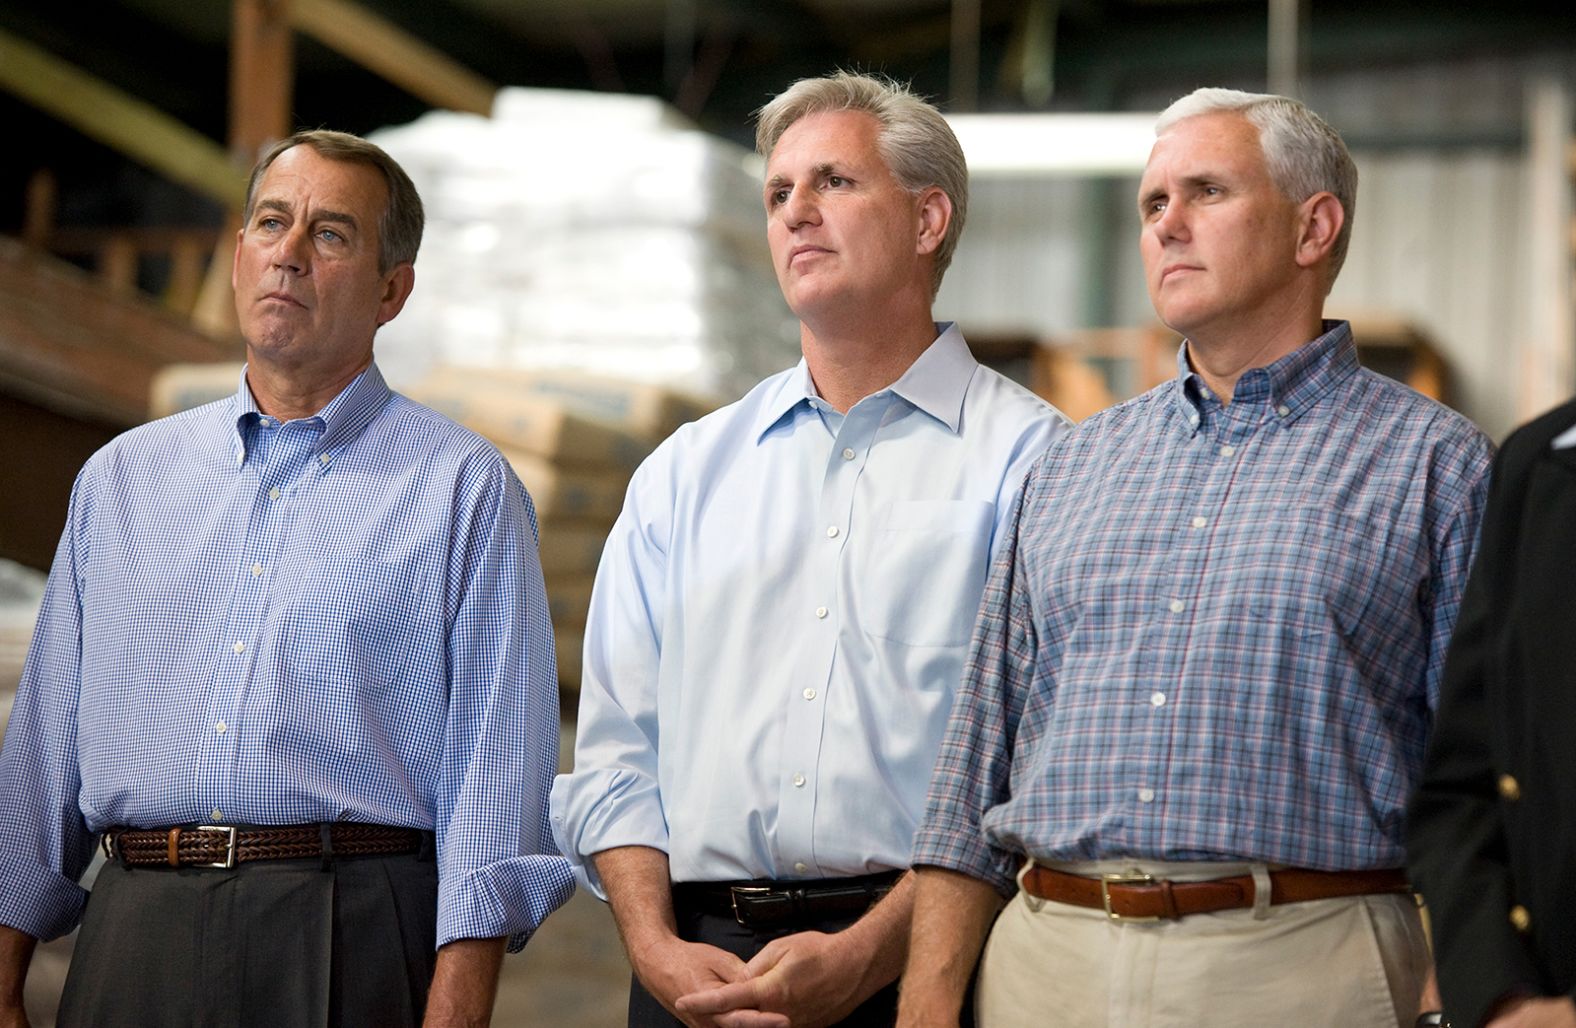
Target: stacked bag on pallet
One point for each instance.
(588, 231)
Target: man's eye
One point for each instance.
(779, 196)
(330, 236)
(269, 223)
(836, 180)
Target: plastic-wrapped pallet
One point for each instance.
(588, 232)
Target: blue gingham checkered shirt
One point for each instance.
(336, 618)
(1219, 630)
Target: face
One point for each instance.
(840, 226)
(308, 291)
(1219, 239)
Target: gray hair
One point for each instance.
(399, 229)
(915, 140)
(1303, 153)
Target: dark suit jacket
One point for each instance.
(1492, 830)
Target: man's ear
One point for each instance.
(1319, 221)
(397, 285)
(935, 216)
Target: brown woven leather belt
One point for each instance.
(1131, 896)
(227, 846)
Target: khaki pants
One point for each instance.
(1357, 962)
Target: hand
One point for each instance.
(804, 980)
(673, 968)
(1540, 1012)
(13, 1017)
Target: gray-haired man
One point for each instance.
(780, 616)
(1202, 679)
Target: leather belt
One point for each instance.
(1135, 896)
(226, 845)
(765, 903)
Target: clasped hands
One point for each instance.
(803, 980)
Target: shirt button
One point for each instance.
(1146, 795)
(848, 453)
(1283, 410)
(257, 569)
(239, 647)
(798, 781)
(1157, 699)
(820, 612)
(273, 494)
(1227, 451)
(831, 531)
(1177, 606)
(220, 727)
(322, 458)
(1509, 788)
(809, 694)
(217, 815)
(801, 867)
(1199, 522)
(1520, 919)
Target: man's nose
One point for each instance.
(801, 207)
(293, 252)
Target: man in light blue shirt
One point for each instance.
(293, 666)
(780, 616)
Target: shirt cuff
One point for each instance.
(42, 904)
(510, 897)
(963, 848)
(594, 811)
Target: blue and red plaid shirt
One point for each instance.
(1219, 630)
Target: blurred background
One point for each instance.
(595, 273)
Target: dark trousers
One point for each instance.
(879, 1011)
(269, 943)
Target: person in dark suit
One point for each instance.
(1492, 830)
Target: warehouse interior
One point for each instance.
(594, 272)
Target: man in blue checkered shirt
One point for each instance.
(1203, 675)
(293, 666)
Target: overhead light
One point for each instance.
(1036, 145)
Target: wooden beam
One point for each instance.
(393, 53)
(99, 110)
(262, 72)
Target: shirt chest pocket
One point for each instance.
(1335, 575)
(925, 571)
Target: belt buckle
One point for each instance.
(748, 892)
(1130, 877)
(228, 863)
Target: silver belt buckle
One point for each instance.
(1132, 877)
(228, 862)
(747, 890)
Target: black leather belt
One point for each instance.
(768, 903)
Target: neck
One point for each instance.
(1221, 356)
(286, 396)
(849, 362)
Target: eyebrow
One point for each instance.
(320, 214)
(819, 171)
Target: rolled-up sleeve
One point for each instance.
(612, 798)
(499, 872)
(45, 844)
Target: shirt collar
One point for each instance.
(341, 420)
(1292, 384)
(935, 383)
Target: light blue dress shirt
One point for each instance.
(779, 623)
(335, 618)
